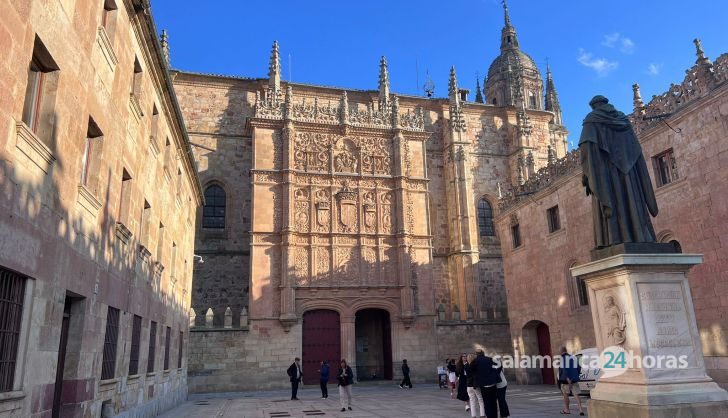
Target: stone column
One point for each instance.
(348, 341)
(642, 303)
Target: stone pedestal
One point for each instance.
(642, 303)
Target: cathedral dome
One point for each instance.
(514, 59)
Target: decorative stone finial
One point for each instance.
(274, 69)
(452, 87)
(383, 81)
(637, 98)
(478, 92)
(164, 41)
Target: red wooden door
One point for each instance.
(321, 341)
(544, 349)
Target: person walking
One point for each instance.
(324, 379)
(568, 376)
(501, 395)
(451, 376)
(405, 372)
(486, 375)
(295, 373)
(346, 379)
(462, 373)
(474, 393)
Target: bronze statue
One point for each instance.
(615, 175)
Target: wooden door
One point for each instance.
(321, 341)
(544, 349)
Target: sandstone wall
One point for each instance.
(79, 238)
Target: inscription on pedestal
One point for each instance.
(666, 324)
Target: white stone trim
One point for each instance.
(107, 48)
(88, 201)
(32, 147)
(619, 260)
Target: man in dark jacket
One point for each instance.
(568, 378)
(295, 373)
(324, 379)
(405, 373)
(485, 376)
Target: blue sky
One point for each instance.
(591, 49)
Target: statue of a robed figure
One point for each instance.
(615, 175)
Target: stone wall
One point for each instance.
(94, 238)
(693, 212)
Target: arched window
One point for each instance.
(532, 99)
(495, 101)
(213, 213)
(485, 219)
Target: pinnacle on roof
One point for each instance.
(478, 92)
(452, 87)
(274, 68)
(383, 80)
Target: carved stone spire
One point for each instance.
(164, 41)
(478, 92)
(456, 113)
(383, 81)
(452, 88)
(702, 59)
(274, 69)
(639, 105)
(551, 99)
(508, 33)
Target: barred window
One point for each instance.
(12, 293)
(136, 333)
(583, 292)
(166, 348)
(516, 235)
(152, 346)
(552, 215)
(665, 168)
(181, 347)
(485, 219)
(108, 365)
(213, 213)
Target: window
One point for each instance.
(124, 197)
(108, 365)
(136, 80)
(160, 242)
(40, 92)
(532, 100)
(136, 333)
(108, 18)
(485, 219)
(516, 235)
(166, 348)
(552, 215)
(665, 168)
(181, 347)
(213, 213)
(582, 292)
(155, 122)
(144, 224)
(173, 261)
(91, 155)
(12, 294)
(676, 244)
(152, 346)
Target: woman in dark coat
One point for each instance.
(461, 372)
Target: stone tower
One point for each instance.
(513, 78)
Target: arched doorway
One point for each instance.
(321, 341)
(537, 342)
(373, 338)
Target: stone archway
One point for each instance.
(537, 342)
(373, 344)
(321, 340)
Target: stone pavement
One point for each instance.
(368, 401)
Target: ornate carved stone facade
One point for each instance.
(366, 200)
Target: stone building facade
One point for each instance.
(355, 224)
(98, 198)
(684, 136)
